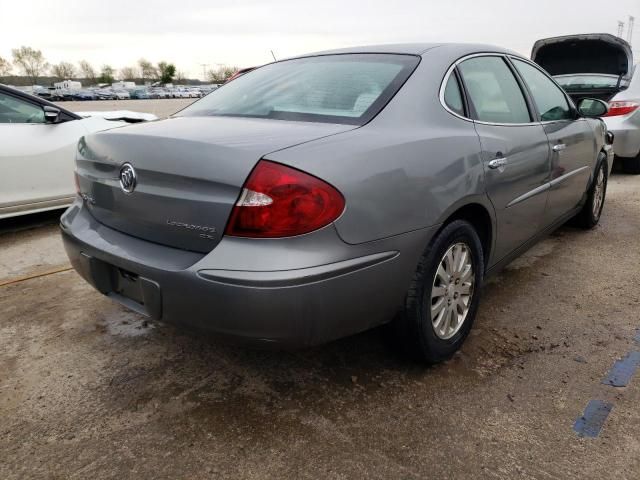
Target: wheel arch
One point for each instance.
(480, 215)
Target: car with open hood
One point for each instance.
(319, 196)
(599, 65)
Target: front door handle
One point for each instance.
(498, 162)
(559, 147)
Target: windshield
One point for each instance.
(349, 89)
(582, 82)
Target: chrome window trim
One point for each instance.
(480, 122)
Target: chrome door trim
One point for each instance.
(542, 188)
(562, 178)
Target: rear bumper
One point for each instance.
(334, 290)
(627, 134)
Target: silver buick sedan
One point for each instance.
(320, 196)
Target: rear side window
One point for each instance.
(493, 91)
(350, 88)
(452, 95)
(549, 99)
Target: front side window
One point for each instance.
(15, 110)
(493, 91)
(549, 99)
(349, 89)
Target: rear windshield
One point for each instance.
(348, 89)
(586, 82)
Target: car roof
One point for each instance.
(454, 49)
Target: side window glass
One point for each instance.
(452, 95)
(494, 91)
(550, 101)
(14, 110)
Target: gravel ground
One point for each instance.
(160, 107)
(91, 390)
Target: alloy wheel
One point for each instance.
(598, 194)
(452, 291)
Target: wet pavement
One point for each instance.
(91, 390)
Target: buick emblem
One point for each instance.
(128, 179)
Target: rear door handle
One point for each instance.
(559, 147)
(498, 162)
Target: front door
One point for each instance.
(570, 141)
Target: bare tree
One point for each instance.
(127, 73)
(87, 71)
(147, 70)
(5, 67)
(221, 74)
(64, 70)
(179, 77)
(30, 61)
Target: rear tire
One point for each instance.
(590, 214)
(443, 298)
(631, 165)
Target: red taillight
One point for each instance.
(621, 108)
(279, 201)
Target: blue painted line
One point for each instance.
(591, 422)
(637, 337)
(622, 371)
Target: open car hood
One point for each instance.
(585, 53)
(121, 115)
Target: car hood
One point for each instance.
(122, 115)
(586, 53)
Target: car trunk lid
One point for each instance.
(588, 53)
(189, 173)
(593, 53)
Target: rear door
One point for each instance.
(515, 149)
(571, 140)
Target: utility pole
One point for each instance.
(630, 29)
(204, 71)
(620, 28)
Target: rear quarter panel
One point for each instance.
(409, 168)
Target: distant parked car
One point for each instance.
(140, 93)
(599, 65)
(38, 141)
(239, 73)
(83, 95)
(104, 94)
(121, 94)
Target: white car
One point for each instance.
(38, 141)
(122, 94)
(599, 65)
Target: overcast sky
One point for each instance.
(191, 32)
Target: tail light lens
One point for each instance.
(279, 201)
(621, 108)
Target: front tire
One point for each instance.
(443, 298)
(590, 214)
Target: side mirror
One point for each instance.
(51, 114)
(592, 108)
